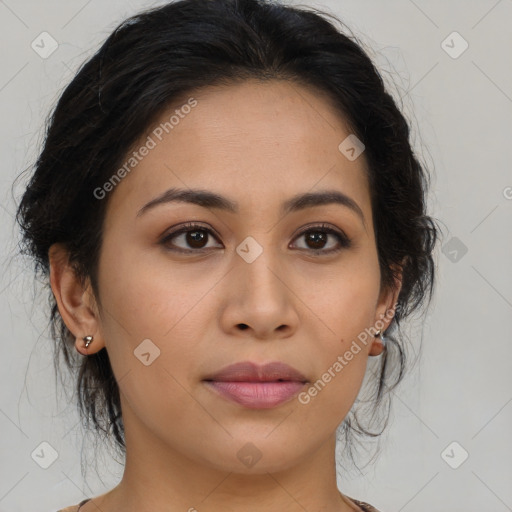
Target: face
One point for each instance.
(258, 277)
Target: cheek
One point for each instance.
(346, 305)
(144, 295)
(341, 369)
(325, 403)
(345, 298)
(145, 309)
(143, 316)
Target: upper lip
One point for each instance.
(248, 371)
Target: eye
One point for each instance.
(196, 237)
(317, 237)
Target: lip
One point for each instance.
(257, 386)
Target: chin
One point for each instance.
(253, 455)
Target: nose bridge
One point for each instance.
(260, 261)
(260, 285)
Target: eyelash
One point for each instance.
(344, 241)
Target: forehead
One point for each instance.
(256, 142)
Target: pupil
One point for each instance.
(195, 238)
(317, 238)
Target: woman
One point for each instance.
(232, 222)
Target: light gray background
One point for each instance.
(460, 390)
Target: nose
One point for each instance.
(259, 299)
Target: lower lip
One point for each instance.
(257, 395)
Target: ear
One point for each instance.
(75, 300)
(386, 305)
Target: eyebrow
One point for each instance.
(208, 199)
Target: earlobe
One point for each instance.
(387, 305)
(73, 300)
(378, 344)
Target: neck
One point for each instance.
(162, 477)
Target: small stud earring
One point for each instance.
(88, 341)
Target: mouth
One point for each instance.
(257, 387)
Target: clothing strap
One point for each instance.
(82, 503)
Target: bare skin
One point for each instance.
(258, 144)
